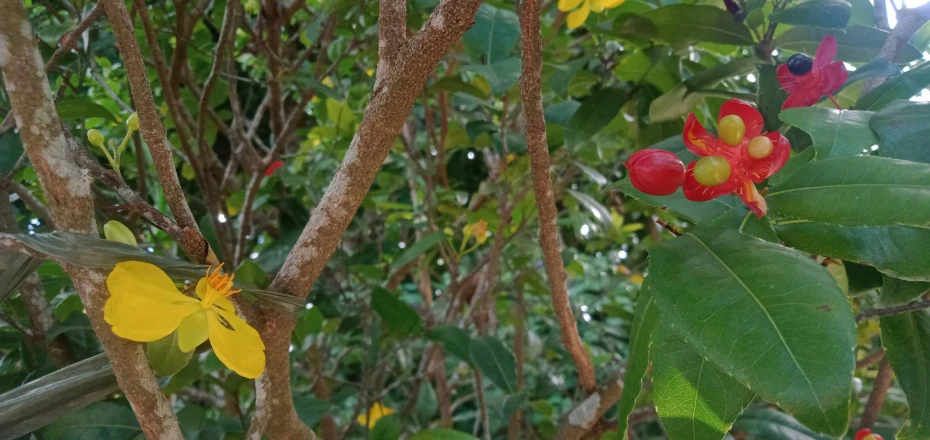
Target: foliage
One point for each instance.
(436, 303)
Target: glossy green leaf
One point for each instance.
(906, 339)
(896, 292)
(792, 166)
(495, 361)
(165, 357)
(876, 68)
(683, 97)
(820, 13)
(494, 33)
(562, 75)
(456, 85)
(637, 362)
(395, 312)
(597, 210)
(898, 251)
(102, 420)
(418, 248)
(310, 409)
(454, 340)
(77, 109)
(772, 424)
(795, 324)
(861, 278)
(388, 427)
(903, 129)
(594, 114)
(682, 23)
(695, 399)
(771, 96)
(836, 133)
(501, 75)
(442, 434)
(856, 191)
(858, 44)
(903, 86)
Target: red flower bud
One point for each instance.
(274, 166)
(655, 172)
(866, 434)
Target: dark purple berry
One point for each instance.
(800, 64)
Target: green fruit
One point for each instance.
(731, 129)
(760, 147)
(711, 170)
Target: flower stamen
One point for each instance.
(221, 286)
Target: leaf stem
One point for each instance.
(837, 104)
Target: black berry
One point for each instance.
(800, 64)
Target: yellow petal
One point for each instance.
(594, 5)
(135, 278)
(241, 349)
(223, 302)
(609, 4)
(376, 412)
(143, 319)
(193, 330)
(578, 17)
(568, 5)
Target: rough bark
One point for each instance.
(586, 414)
(68, 191)
(537, 146)
(391, 102)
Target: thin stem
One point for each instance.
(837, 104)
(891, 311)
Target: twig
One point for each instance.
(531, 94)
(909, 21)
(877, 397)
(870, 359)
(668, 227)
(71, 39)
(889, 311)
(585, 415)
(30, 200)
(519, 353)
(149, 119)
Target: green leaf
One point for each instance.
(856, 191)
(340, 114)
(102, 420)
(454, 340)
(494, 33)
(419, 248)
(903, 128)
(876, 68)
(396, 313)
(599, 211)
(795, 323)
(166, 357)
(310, 409)
(819, 13)
(903, 86)
(563, 74)
(772, 424)
(594, 114)
(250, 274)
(697, 212)
(859, 44)
(794, 164)
(386, 428)
(771, 96)
(905, 339)
(695, 399)
(76, 109)
(644, 321)
(836, 133)
(681, 24)
(501, 75)
(896, 292)
(11, 149)
(456, 85)
(442, 434)
(683, 97)
(898, 251)
(861, 279)
(495, 361)
(310, 323)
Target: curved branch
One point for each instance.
(68, 190)
(531, 94)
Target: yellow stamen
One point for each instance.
(220, 286)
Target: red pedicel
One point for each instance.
(655, 172)
(274, 166)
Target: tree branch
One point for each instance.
(531, 94)
(153, 131)
(586, 414)
(889, 311)
(909, 21)
(390, 103)
(877, 397)
(392, 32)
(68, 190)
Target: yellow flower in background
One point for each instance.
(480, 231)
(636, 279)
(376, 412)
(581, 8)
(145, 306)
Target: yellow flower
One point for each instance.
(146, 306)
(581, 8)
(376, 412)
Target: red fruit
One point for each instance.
(656, 172)
(274, 166)
(866, 434)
